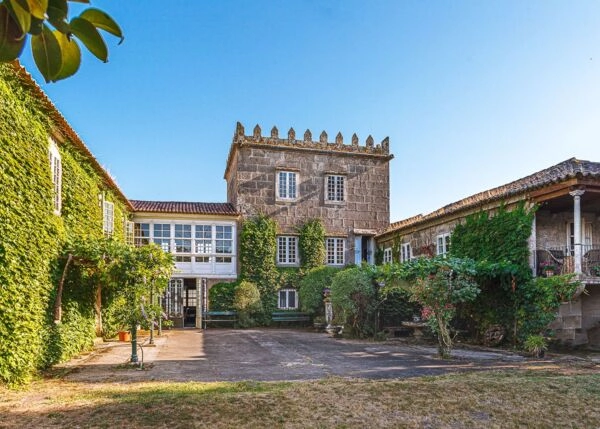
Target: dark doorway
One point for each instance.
(190, 302)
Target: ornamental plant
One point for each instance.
(312, 286)
(353, 297)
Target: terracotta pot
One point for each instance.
(124, 336)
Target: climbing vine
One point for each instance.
(31, 264)
(258, 248)
(312, 244)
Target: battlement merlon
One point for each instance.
(307, 143)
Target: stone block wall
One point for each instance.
(255, 161)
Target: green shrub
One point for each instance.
(311, 288)
(247, 303)
(221, 296)
(354, 304)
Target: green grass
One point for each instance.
(556, 398)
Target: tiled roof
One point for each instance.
(183, 207)
(569, 169)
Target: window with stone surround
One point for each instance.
(335, 250)
(387, 255)
(405, 252)
(443, 243)
(335, 188)
(287, 188)
(287, 299)
(287, 250)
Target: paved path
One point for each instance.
(274, 354)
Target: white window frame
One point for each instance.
(335, 251)
(443, 244)
(287, 250)
(333, 193)
(164, 241)
(182, 233)
(286, 185)
(129, 235)
(56, 175)
(283, 299)
(108, 217)
(405, 252)
(387, 255)
(222, 237)
(141, 234)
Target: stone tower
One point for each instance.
(292, 181)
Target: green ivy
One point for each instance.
(32, 237)
(312, 244)
(220, 296)
(258, 247)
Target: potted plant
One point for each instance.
(595, 270)
(536, 345)
(548, 268)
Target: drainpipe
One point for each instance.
(577, 228)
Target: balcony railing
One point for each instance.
(563, 260)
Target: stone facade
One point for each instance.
(253, 169)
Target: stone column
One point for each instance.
(533, 247)
(577, 228)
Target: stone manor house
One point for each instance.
(345, 184)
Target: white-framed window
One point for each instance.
(287, 250)
(335, 188)
(129, 232)
(336, 248)
(387, 255)
(108, 217)
(405, 252)
(141, 234)
(443, 243)
(287, 188)
(56, 172)
(162, 236)
(288, 299)
(203, 243)
(183, 242)
(223, 243)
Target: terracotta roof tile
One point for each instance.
(184, 207)
(569, 169)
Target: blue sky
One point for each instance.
(473, 94)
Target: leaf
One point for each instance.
(87, 33)
(102, 20)
(22, 16)
(38, 8)
(12, 39)
(47, 53)
(71, 56)
(57, 13)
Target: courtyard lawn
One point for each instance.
(554, 397)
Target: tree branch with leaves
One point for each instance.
(54, 36)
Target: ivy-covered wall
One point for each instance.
(32, 237)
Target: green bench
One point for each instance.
(219, 317)
(289, 317)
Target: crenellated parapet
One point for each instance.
(307, 141)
